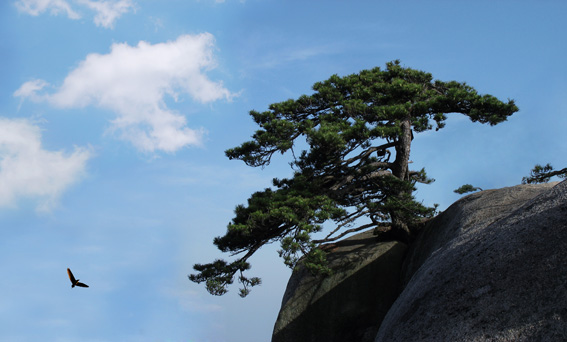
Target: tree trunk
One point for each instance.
(400, 166)
(400, 170)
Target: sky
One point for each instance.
(115, 115)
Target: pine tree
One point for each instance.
(542, 174)
(358, 129)
(466, 188)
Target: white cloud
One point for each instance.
(29, 171)
(106, 11)
(133, 81)
(30, 89)
(36, 7)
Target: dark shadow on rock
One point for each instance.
(348, 305)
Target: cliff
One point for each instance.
(492, 267)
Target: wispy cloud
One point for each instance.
(106, 11)
(190, 300)
(30, 89)
(133, 82)
(29, 171)
(287, 56)
(37, 7)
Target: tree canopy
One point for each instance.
(354, 172)
(542, 174)
(466, 188)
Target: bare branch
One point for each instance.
(350, 219)
(348, 179)
(346, 232)
(369, 151)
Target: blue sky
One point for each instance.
(115, 114)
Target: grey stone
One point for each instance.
(479, 210)
(492, 267)
(348, 305)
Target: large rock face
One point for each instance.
(350, 304)
(493, 267)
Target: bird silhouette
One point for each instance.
(75, 282)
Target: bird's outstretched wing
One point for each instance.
(71, 277)
(75, 282)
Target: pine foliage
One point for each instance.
(354, 172)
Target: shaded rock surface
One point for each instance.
(350, 304)
(492, 267)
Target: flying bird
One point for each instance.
(75, 282)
